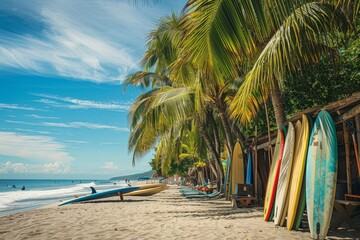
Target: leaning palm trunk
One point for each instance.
(226, 125)
(276, 100)
(213, 169)
(213, 152)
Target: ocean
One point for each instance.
(39, 192)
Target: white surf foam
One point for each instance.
(13, 199)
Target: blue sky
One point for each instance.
(63, 111)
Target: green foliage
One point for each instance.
(325, 82)
(176, 167)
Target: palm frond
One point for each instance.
(300, 41)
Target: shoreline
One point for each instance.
(166, 215)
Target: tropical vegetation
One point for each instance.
(222, 67)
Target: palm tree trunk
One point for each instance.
(226, 125)
(211, 119)
(213, 152)
(238, 134)
(268, 128)
(276, 100)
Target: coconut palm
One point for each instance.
(302, 38)
(160, 115)
(262, 40)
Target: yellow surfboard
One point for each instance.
(147, 192)
(237, 168)
(302, 133)
(150, 185)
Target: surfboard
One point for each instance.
(147, 192)
(273, 176)
(297, 188)
(249, 170)
(104, 194)
(237, 168)
(281, 203)
(321, 174)
(227, 179)
(149, 185)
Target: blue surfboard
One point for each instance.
(98, 195)
(249, 170)
(321, 175)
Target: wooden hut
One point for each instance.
(346, 115)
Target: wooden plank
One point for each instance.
(351, 113)
(357, 126)
(266, 144)
(347, 157)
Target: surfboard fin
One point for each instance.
(93, 190)
(318, 229)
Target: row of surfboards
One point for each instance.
(303, 175)
(141, 190)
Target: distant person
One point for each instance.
(23, 188)
(13, 186)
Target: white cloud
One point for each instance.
(20, 122)
(17, 167)
(77, 141)
(32, 147)
(110, 166)
(15, 106)
(96, 41)
(32, 131)
(111, 143)
(39, 117)
(73, 103)
(56, 167)
(84, 125)
(72, 125)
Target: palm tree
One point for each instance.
(160, 115)
(262, 40)
(303, 37)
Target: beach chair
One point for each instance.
(215, 194)
(244, 197)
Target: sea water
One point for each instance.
(41, 192)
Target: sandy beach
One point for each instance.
(166, 215)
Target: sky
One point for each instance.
(63, 109)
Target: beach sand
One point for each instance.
(166, 215)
